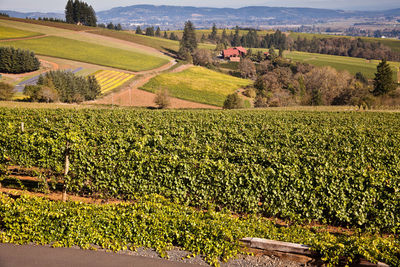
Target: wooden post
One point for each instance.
(66, 170)
(22, 127)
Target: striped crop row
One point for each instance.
(110, 79)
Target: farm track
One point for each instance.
(131, 44)
(134, 97)
(24, 38)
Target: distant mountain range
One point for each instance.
(253, 16)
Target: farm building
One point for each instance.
(234, 53)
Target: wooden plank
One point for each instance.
(273, 245)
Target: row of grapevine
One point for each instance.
(152, 221)
(110, 79)
(336, 168)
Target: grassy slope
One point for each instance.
(91, 53)
(350, 64)
(12, 33)
(155, 42)
(52, 24)
(393, 44)
(197, 84)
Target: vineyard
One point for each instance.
(337, 168)
(110, 79)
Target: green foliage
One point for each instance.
(352, 65)
(12, 33)
(91, 53)
(188, 43)
(6, 91)
(383, 81)
(337, 168)
(197, 84)
(152, 221)
(233, 101)
(79, 12)
(41, 93)
(17, 61)
(70, 87)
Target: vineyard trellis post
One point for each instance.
(66, 170)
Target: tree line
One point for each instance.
(279, 40)
(156, 32)
(63, 86)
(346, 47)
(79, 12)
(17, 60)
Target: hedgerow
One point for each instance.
(335, 168)
(152, 221)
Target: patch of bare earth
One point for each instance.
(133, 97)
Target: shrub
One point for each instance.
(41, 93)
(6, 91)
(70, 87)
(233, 101)
(250, 92)
(202, 57)
(162, 98)
(17, 61)
(247, 68)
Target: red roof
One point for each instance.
(241, 49)
(231, 52)
(234, 51)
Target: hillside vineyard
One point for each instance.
(338, 168)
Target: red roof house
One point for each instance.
(234, 52)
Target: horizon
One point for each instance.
(57, 6)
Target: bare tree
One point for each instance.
(247, 68)
(202, 57)
(162, 98)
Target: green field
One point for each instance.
(90, 53)
(155, 42)
(197, 84)
(350, 64)
(392, 43)
(12, 33)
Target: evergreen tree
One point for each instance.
(383, 81)
(165, 35)
(69, 12)
(158, 32)
(118, 27)
(17, 61)
(224, 36)
(236, 38)
(138, 30)
(188, 43)
(213, 35)
(173, 36)
(150, 31)
(80, 12)
(110, 26)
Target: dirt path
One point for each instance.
(148, 49)
(24, 38)
(134, 97)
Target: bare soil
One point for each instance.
(133, 97)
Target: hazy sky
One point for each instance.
(58, 5)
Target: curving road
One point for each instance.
(39, 256)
